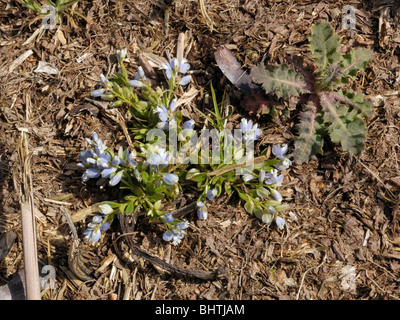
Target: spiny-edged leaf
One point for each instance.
(345, 127)
(281, 80)
(330, 78)
(352, 62)
(355, 100)
(310, 139)
(324, 44)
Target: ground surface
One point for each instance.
(342, 237)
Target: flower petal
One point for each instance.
(116, 178)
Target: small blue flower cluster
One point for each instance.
(177, 233)
(166, 116)
(201, 205)
(100, 162)
(139, 79)
(174, 67)
(106, 92)
(280, 152)
(250, 132)
(273, 179)
(98, 224)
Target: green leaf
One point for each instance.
(249, 206)
(324, 45)
(191, 173)
(156, 197)
(157, 205)
(282, 207)
(145, 176)
(355, 101)
(345, 126)
(228, 188)
(280, 80)
(112, 204)
(258, 211)
(117, 88)
(244, 196)
(267, 218)
(199, 177)
(262, 192)
(129, 208)
(352, 62)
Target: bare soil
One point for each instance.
(342, 237)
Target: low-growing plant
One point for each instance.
(327, 110)
(169, 155)
(58, 5)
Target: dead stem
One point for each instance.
(28, 223)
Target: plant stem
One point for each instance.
(238, 165)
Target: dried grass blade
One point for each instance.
(28, 223)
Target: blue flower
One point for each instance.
(168, 218)
(284, 164)
(97, 93)
(93, 232)
(130, 156)
(165, 114)
(170, 178)
(92, 173)
(211, 194)
(250, 131)
(189, 125)
(116, 178)
(176, 235)
(277, 150)
(183, 225)
(261, 176)
(167, 236)
(161, 157)
(280, 153)
(92, 235)
(105, 81)
(162, 113)
(248, 177)
(106, 173)
(138, 81)
(271, 209)
(121, 54)
(280, 223)
(185, 80)
(105, 208)
(272, 178)
(276, 195)
(202, 210)
(174, 66)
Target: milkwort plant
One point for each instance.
(58, 5)
(169, 151)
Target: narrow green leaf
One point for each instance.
(244, 196)
(249, 206)
(199, 177)
(191, 173)
(129, 208)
